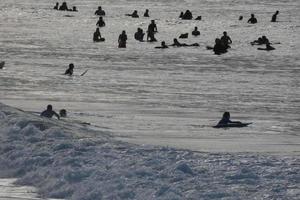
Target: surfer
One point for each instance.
(176, 43)
(163, 45)
(70, 70)
(139, 35)
(49, 112)
(274, 17)
(75, 9)
(97, 36)
(146, 14)
(100, 22)
(122, 40)
(134, 14)
(226, 120)
(152, 29)
(226, 40)
(219, 47)
(195, 32)
(187, 15)
(56, 6)
(64, 7)
(63, 113)
(252, 20)
(100, 12)
(198, 18)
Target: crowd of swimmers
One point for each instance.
(221, 44)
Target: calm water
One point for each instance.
(146, 95)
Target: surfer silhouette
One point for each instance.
(49, 112)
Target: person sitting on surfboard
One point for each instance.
(97, 36)
(226, 120)
(49, 112)
(70, 70)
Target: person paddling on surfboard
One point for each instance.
(226, 119)
(70, 70)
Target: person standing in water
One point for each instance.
(70, 70)
(252, 20)
(97, 36)
(274, 17)
(100, 22)
(100, 12)
(146, 14)
(49, 112)
(152, 29)
(122, 40)
(226, 40)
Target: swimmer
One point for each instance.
(163, 46)
(134, 14)
(195, 32)
(226, 40)
(274, 17)
(152, 29)
(100, 22)
(146, 14)
(122, 40)
(252, 20)
(97, 36)
(56, 6)
(49, 112)
(219, 47)
(139, 35)
(226, 119)
(64, 7)
(100, 12)
(70, 70)
(63, 113)
(268, 48)
(187, 15)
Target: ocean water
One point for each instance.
(169, 97)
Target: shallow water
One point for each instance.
(170, 97)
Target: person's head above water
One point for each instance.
(196, 28)
(224, 33)
(71, 66)
(99, 8)
(49, 107)
(226, 115)
(163, 43)
(252, 15)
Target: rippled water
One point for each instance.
(171, 96)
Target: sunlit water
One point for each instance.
(172, 96)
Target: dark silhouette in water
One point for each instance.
(49, 112)
(152, 29)
(226, 119)
(70, 70)
(134, 14)
(195, 32)
(139, 35)
(56, 6)
(219, 47)
(74, 9)
(226, 40)
(252, 20)
(2, 63)
(176, 43)
(100, 22)
(63, 113)
(241, 18)
(187, 15)
(146, 14)
(100, 12)
(274, 17)
(122, 40)
(163, 46)
(97, 36)
(268, 48)
(64, 7)
(199, 18)
(184, 35)
(181, 15)
(260, 41)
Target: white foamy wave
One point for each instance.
(64, 160)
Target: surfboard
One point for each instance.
(232, 125)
